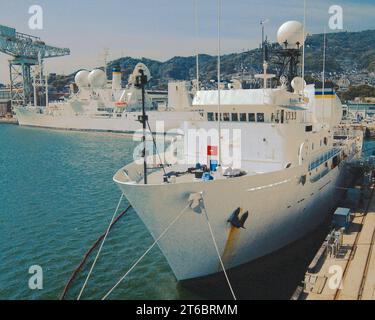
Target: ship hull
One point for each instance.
(128, 123)
(281, 210)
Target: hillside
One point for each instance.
(349, 54)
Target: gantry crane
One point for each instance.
(27, 51)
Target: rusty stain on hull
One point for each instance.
(230, 244)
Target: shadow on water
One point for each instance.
(273, 277)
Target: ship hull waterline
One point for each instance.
(159, 121)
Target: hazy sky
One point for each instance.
(161, 29)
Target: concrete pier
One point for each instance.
(349, 272)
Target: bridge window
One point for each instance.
(260, 117)
(251, 117)
(234, 116)
(243, 117)
(210, 116)
(217, 117)
(226, 117)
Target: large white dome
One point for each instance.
(292, 33)
(97, 79)
(82, 79)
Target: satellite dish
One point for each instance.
(298, 84)
(81, 79)
(290, 35)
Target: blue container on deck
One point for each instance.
(207, 177)
(341, 218)
(213, 165)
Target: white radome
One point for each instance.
(298, 84)
(97, 79)
(82, 79)
(291, 32)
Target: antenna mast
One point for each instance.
(324, 69)
(219, 72)
(196, 39)
(303, 49)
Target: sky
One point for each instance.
(162, 29)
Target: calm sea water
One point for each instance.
(57, 197)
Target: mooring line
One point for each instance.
(100, 249)
(88, 253)
(146, 252)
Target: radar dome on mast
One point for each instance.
(291, 35)
(97, 79)
(81, 79)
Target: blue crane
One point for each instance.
(27, 51)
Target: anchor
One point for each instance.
(236, 221)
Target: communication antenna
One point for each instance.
(265, 53)
(219, 73)
(196, 39)
(324, 65)
(304, 47)
(105, 59)
(262, 23)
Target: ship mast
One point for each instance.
(196, 38)
(219, 72)
(324, 68)
(303, 49)
(140, 82)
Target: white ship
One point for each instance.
(290, 169)
(98, 108)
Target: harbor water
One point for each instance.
(57, 196)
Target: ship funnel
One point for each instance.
(116, 78)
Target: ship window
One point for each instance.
(226, 117)
(260, 117)
(243, 117)
(309, 128)
(251, 117)
(210, 116)
(234, 116)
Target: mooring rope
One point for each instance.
(100, 249)
(218, 252)
(88, 253)
(146, 252)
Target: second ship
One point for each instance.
(97, 107)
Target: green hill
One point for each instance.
(348, 53)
